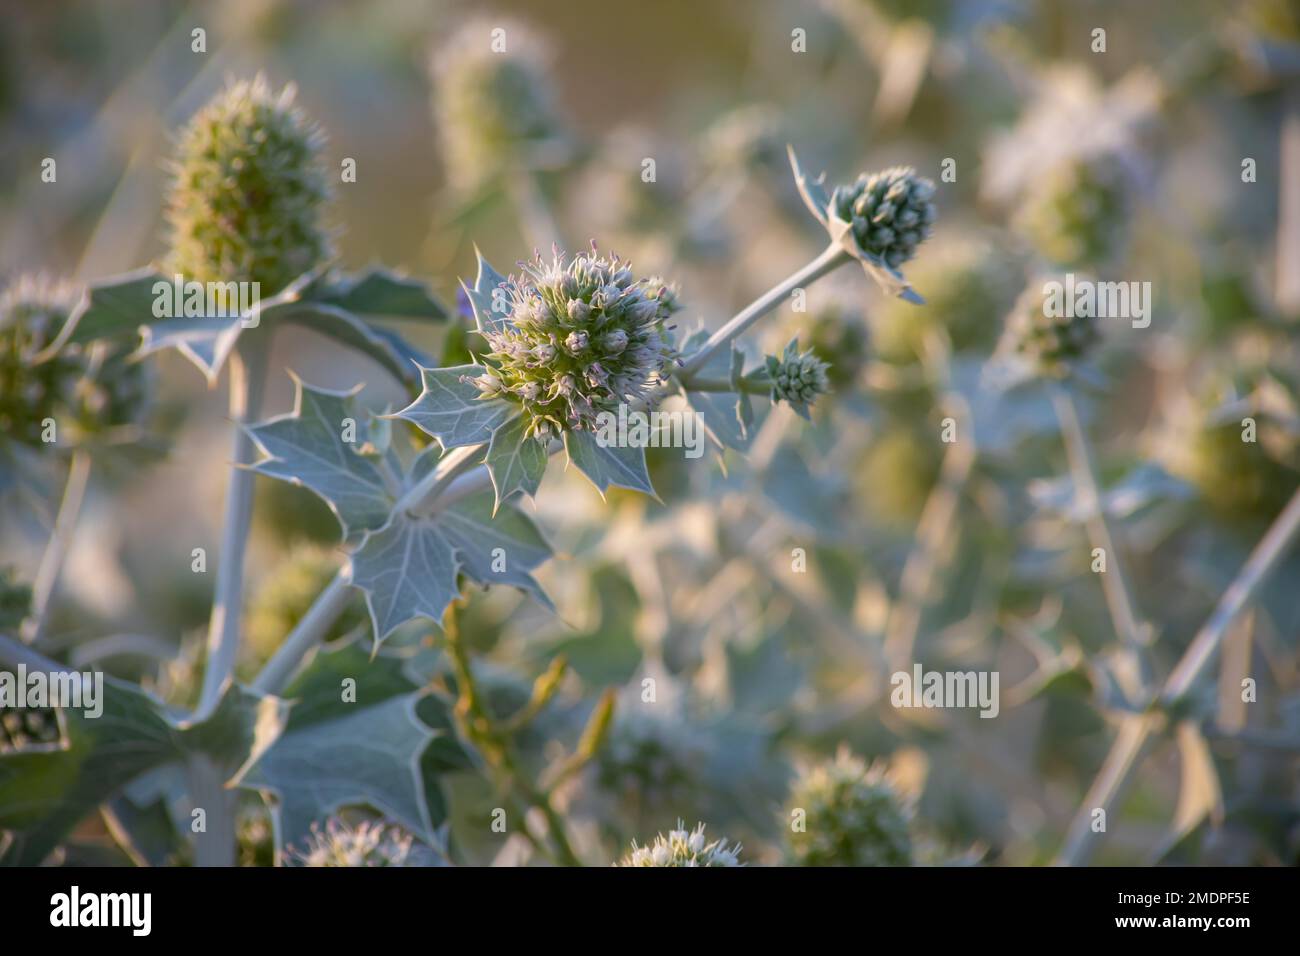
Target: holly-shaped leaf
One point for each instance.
(608, 465)
(310, 447)
(515, 462)
(409, 568)
(378, 291)
(451, 408)
(487, 296)
(354, 737)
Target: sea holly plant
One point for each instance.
(562, 348)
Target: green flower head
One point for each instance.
(1050, 344)
(86, 391)
(493, 101)
(852, 816)
(248, 190)
(578, 338)
(683, 848)
(797, 377)
(891, 213)
(1077, 213)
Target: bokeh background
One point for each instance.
(763, 671)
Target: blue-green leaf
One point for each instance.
(380, 292)
(485, 299)
(605, 466)
(407, 570)
(306, 447)
(515, 462)
(451, 410)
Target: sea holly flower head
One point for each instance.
(493, 101)
(248, 190)
(1077, 213)
(1052, 345)
(370, 843)
(577, 337)
(684, 848)
(853, 816)
(797, 377)
(880, 219)
(85, 389)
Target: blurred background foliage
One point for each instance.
(1125, 164)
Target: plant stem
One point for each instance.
(247, 377)
(46, 584)
(1114, 582)
(308, 632)
(831, 258)
(14, 652)
(1135, 729)
(923, 559)
(482, 730)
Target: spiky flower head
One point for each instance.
(1076, 213)
(579, 337)
(370, 843)
(852, 816)
(684, 848)
(493, 101)
(1050, 340)
(86, 390)
(248, 190)
(891, 213)
(797, 377)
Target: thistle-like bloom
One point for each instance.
(371, 843)
(684, 848)
(891, 213)
(852, 816)
(797, 377)
(85, 391)
(1077, 213)
(248, 190)
(1051, 344)
(493, 101)
(577, 339)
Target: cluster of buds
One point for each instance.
(891, 213)
(85, 390)
(797, 377)
(578, 338)
(371, 843)
(248, 190)
(492, 101)
(684, 848)
(1051, 345)
(852, 816)
(1077, 213)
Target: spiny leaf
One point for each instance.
(337, 752)
(605, 466)
(451, 410)
(408, 569)
(353, 332)
(113, 308)
(484, 298)
(515, 462)
(381, 292)
(306, 447)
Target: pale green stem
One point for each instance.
(1114, 581)
(1135, 729)
(247, 377)
(46, 584)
